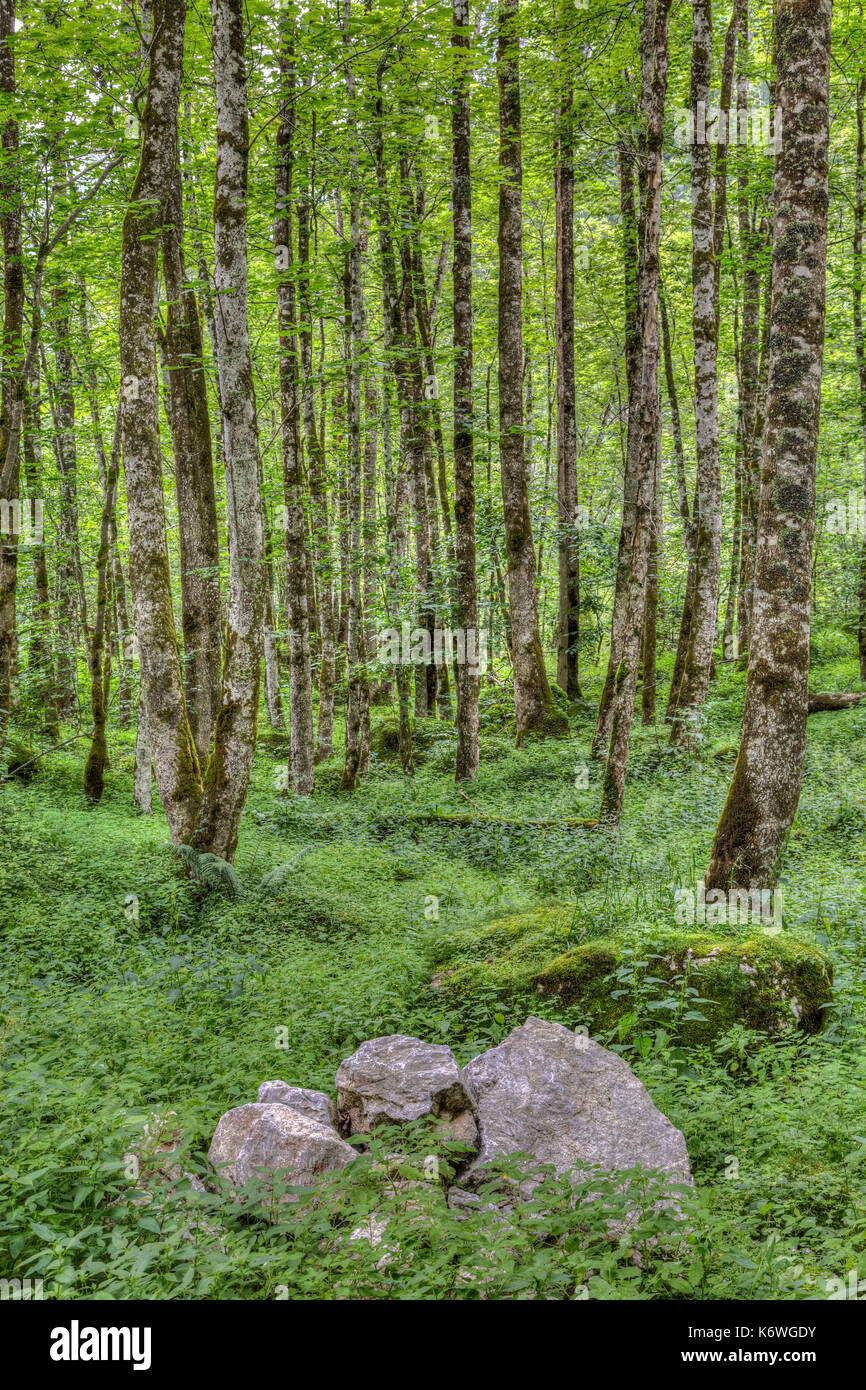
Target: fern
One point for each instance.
(212, 872)
(275, 878)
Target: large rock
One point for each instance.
(567, 1101)
(313, 1103)
(397, 1079)
(257, 1138)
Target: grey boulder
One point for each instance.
(255, 1139)
(396, 1079)
(566, 1100)
(313, 1103)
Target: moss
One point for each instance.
(19, 762)
(385, 739)
(773, 984)
(770, 983)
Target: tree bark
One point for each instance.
(357, 671)
(94, 769)
(196, 496)
(568, 626)
(466, 611)
(228, 773)
(860, 347)
(631, 256)
(302, 750)
(768, 776)
(533, 702)
(321, 539)
(171, 743)
(654, 90)
(708, 220)
(12, 385)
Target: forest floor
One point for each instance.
(127, 989)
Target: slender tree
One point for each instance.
(533, 701)
(466, 678)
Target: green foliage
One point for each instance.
(192, 1001)
(211, 871)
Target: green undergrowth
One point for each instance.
(128, 987)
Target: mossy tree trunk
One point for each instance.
(227, 778)
(568, 625)
(859, 344)
(194, 476)
(319, 526)
(300, 672)
(94, 769)
(708, 221)
(633, 347)
(357, 670)
(466, 679)
(749, 442)
(41, 656)
(653, 94)
(768, 776)
(12, 385)
(532, 696)
(171, 744)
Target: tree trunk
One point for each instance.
(196, 496)
(568, 627)
(321, 540)
(41, 655)
(94, 770)
(227, 779)
(142, 781)
(466, 614)
(708, 220)
(302, 751)
(357, 671)
(532, 697)
(860, 349)
(13, 355)
(171, 743)
(654, 90)
(631, 283)
(768, 776)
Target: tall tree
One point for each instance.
(859, 343)
(171, 744)
(357, 670)
(194, 478)
(653, 94)
(11, 386)
(227, 777)
(708, 222)
(768, 776)
(568, 627)
(300, 671)
(466, 611)
(533, 702)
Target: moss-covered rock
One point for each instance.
(426, 735)
(772, 983)
(385, 739)
(19, 762)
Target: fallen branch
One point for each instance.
(830, 700)
(39, 756)
(459, 818)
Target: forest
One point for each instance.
(433, 650)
